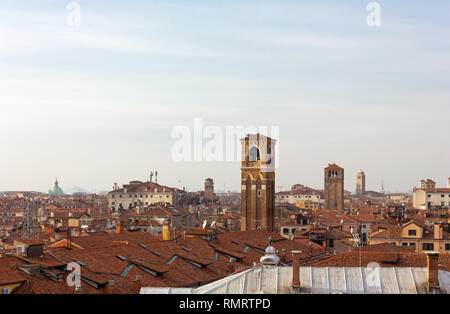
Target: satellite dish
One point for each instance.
(213, 224)
(204, 224)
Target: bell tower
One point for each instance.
(334, 187)
(257, 182)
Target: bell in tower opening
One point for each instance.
(257, 182)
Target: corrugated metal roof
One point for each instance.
(319, 280)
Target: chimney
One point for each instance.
(438, 232)
(448, 183)
(167, 232)
(78, 290)
(137, 284)
(231, 264)
(296, 270)
(110, 287)
(432, 270)
(118, 227)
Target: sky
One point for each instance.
(96, 102)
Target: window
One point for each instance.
(447, 246)
(412, 232)
(404, 244)
(412, 244)
(253, 154)
(6, 290)
(285, 230)
(259, 193)
(428, 246)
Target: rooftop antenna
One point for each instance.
(156, 177)
(151, 176)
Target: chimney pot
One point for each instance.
(110, 287)
(167, 232)
(137, 284)
(119, 227)
(78, 289)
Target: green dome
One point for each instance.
(56, 190)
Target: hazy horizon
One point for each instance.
(95, 104)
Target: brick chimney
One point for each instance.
(110, 287)
(296, 270)
(137, 284)
(78, 290)
(438, 234)
(432, 270)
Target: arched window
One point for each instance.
(253, 154)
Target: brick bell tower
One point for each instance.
(334, 187)
(257, 182)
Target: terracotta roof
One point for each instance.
(384, 247)
(333, 167)
(436, 190)
(384, 259)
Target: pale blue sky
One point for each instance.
(96, 104)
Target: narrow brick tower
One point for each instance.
(209, 190)
(257, 182)
(334, 187)
(360, 183)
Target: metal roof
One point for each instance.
(319, 280)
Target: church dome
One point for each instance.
(56, 190)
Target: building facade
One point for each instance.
(430, 197)
(257, 183)
(144, 193)
(299, 193)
